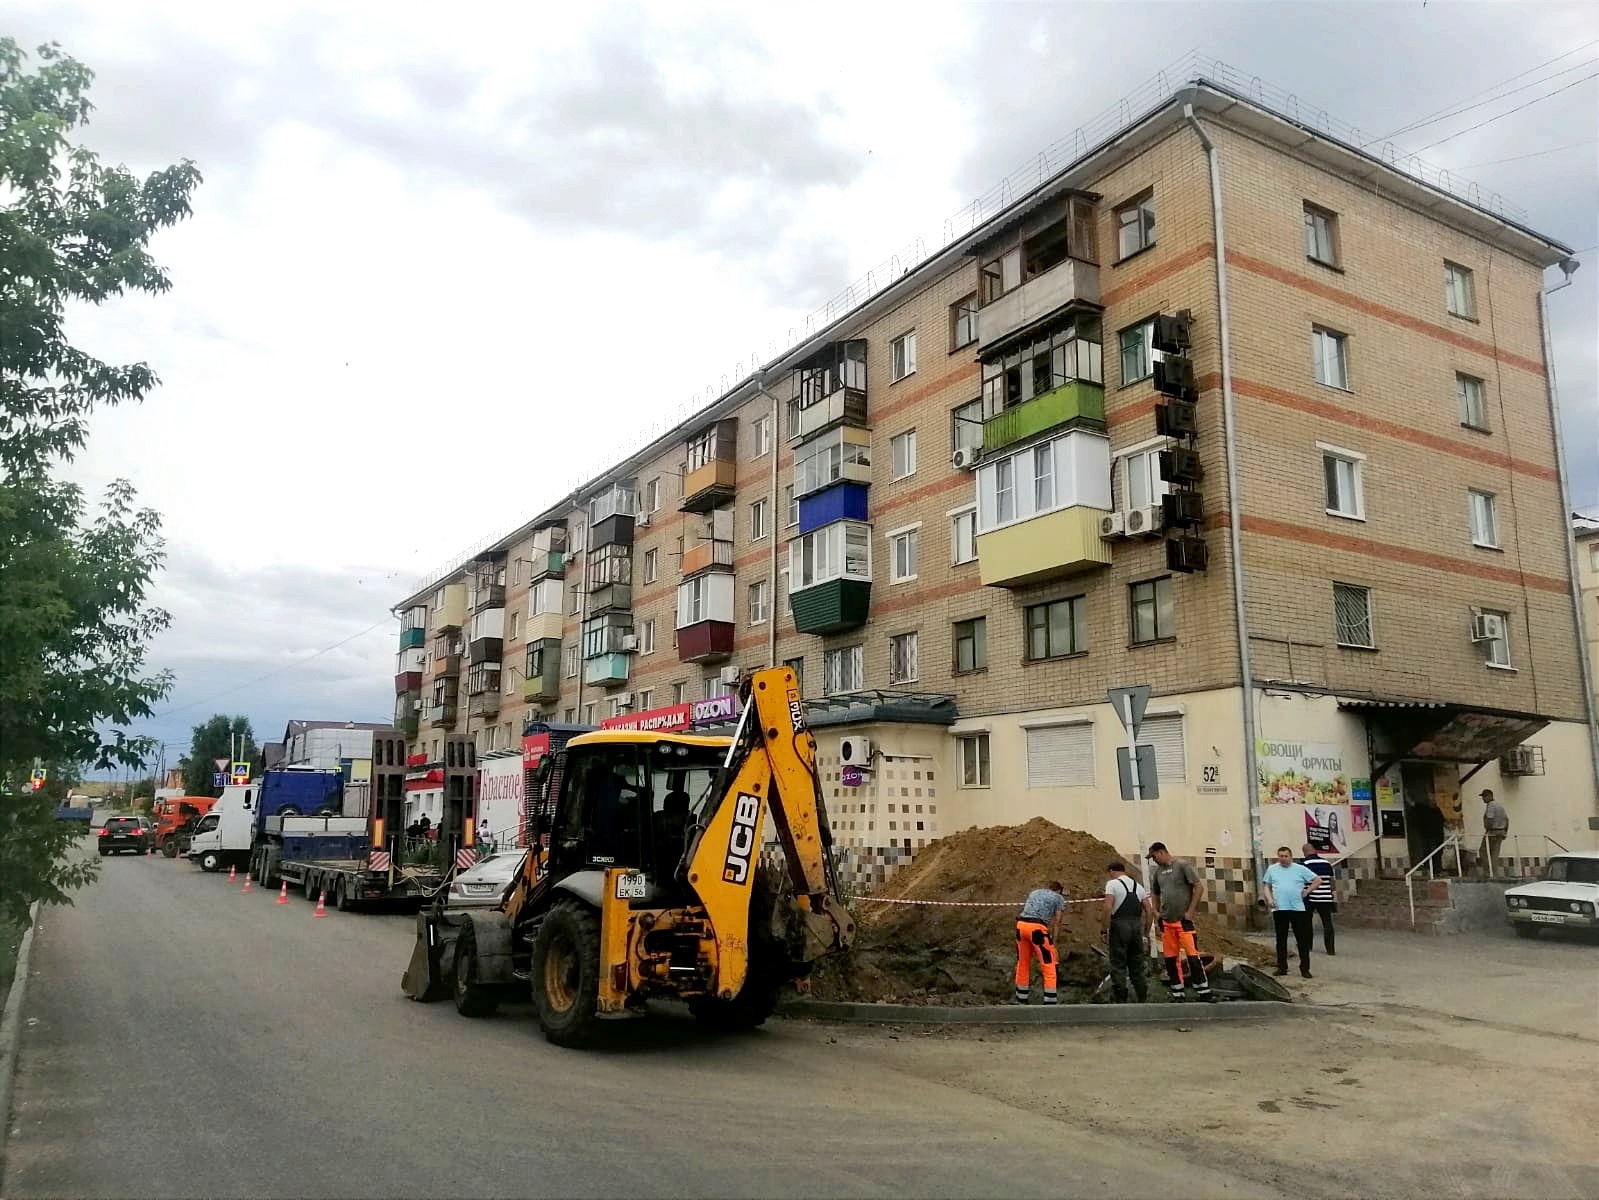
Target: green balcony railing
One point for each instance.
(1075, 400)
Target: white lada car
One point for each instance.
(1567, 897)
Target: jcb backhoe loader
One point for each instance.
(645, 879)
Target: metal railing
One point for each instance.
(1451, 842)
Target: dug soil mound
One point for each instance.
(946, 954)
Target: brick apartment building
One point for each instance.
(1000, 486)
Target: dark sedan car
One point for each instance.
(119, 834)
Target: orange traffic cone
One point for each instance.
(246, 887)
(283, 893)
(321, 904)
(233, 873)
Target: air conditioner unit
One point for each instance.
(1522, 760)
(622, 700)
(642, 521)
(965, 458)
(855, 751)
(1143, 522)
(630, 643)
(1113, 526)
(728, 675)
(1487, 627)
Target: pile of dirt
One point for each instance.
(927, 954)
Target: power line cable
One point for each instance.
(1508, 112)
(1492, 87)
(1459, 107)
(1494, 162)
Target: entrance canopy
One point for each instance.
(1430, 731)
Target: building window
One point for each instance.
(842, 550)
(790, 505)
(1137, 362)
(762, 429)
(963, 322)
(1152, 617)
(843, 670)
(1352, 615)
(902, 452)
(1484, 516)
(652, 496)
(1472, 395)
(974, 759)
(1141, 482)
(679, 693)
(966, 426)
(646, 637)
(1321, 235)
(902, 554)
(577, 597)
(1004, 491)
(1061, 755)
(758, 524)
(568, 715)
(1331, 352)
(971, 645)
(797, 665)
(1135, 225)
(904, 354)
(760, 602)
(1057, 629)
(570, 654)
(963, 536)
(646, 700)
(651, 565)
(1044, 477)
(1164, 731)
(588, 714)
(902, 667)
(1344, 474)
(1460, 290)
(1491, 631)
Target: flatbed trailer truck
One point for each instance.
(330, 856)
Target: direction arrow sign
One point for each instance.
(1139, 696)
(1148, 782)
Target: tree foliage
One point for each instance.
(219, 737)
(74, 624)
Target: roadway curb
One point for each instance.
(11, 1027)
(1040, 1014)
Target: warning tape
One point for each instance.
(963, 903)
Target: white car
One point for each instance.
(482, 884)
(1567, 897)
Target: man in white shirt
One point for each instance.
(1128, 909)
(1495, 825)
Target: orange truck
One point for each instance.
(174, 821)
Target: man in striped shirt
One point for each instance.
(1321, 901)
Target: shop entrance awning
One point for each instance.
(1432, 731)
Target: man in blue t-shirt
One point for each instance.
(1287, 885)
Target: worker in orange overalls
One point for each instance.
(1178, 889)
(1037, 931)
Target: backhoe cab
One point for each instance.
(648, 879)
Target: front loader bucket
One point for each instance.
(425, 979)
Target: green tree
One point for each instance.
(74, 625)
(220, 737)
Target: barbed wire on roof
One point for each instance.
(1192, 67)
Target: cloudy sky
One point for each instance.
(434, 241)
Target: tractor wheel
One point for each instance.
(566, 973)
(472, 999)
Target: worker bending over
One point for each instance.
(1178, 890)
(1037, 931)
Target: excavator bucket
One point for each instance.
(426, 979)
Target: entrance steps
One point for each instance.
(1442, 905)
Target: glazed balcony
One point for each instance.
(1076, 401)
(708, 555)
(487, 596)
(544, 625)
(451, 611)
(541, 679)
(832, 607)
(1070, 283)
(546, 564)
(1053, 546)
(829, 389)
(413, 637)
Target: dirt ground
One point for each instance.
(1454, 1067)
(915, 953)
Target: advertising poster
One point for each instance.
(1385, 793)
(1308, 773)
(1327, 827)
(1360, 818)
(1446, 793)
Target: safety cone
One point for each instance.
(283, 893)
(233, 873)
(246, 887)
(321, 904)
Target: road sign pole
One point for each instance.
(1132, 767)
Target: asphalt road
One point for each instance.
(182, 1039)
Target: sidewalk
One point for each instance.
(1543, 986)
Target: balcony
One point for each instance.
(487, 596)
(612, 597)
(546, 564)
(441, 715)
(447, 667)
(407, 681)
(705, 642)
(829, 389)
(413, 637)
(451, 611)
(406, 716)
(1053, 546)
(1070, 282)
(841, 502)
(485, 650)
(541, 684)
(832, 607)
(543, 625)
(706, 555)
(1076, 401)
(484, 704)
(709, 486)
(846, 406)
(606, 670)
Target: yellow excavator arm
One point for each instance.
(770, 768)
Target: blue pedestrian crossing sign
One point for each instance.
(241, 773)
